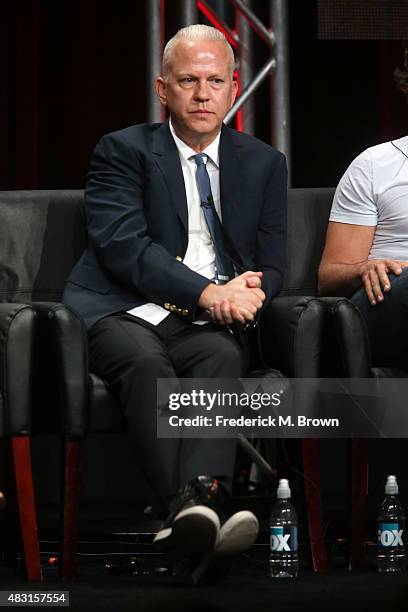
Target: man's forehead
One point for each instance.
(200, 51)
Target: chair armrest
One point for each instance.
(16, 352)
(347, 346)
(291, 335)
(62, 372)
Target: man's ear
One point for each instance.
(161, 90)
(234, 91)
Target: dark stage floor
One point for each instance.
(247, 588)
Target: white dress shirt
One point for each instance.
(200, 255)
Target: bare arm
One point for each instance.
(346, 249)
(345, 266)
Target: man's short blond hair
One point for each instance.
(192, 33)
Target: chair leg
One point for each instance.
(359, 493)
(26, 505)
(311, 471)
(71, 503)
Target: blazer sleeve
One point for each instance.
(272, 231)
(118, 231)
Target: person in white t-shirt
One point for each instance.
(366, 252)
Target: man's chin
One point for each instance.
(203, 123)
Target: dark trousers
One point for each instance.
(130, 354)
(387, 322)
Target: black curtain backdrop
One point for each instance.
(343, 98)
(71, 71)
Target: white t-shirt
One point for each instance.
(374, 191)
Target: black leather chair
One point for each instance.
(299, 341)
(345, 349)
(41, 235)
(352, 359)
(47, 229)
(17, 328)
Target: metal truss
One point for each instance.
(276, 66)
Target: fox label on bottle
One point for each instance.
(283, 538)
(389, 534)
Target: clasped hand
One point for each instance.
(238, 300)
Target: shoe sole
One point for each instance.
(194, 531)
(236, 535)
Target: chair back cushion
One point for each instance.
(42, 235)
(308, 215)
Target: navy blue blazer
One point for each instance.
(137, 221)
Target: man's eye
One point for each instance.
(187, 80)
(218, 81)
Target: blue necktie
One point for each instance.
(224, 270)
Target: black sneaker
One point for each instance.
(193, 525)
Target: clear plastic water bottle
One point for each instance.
(283, 557)
(391, 530)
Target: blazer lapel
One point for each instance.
(167, 158)
(230, 173)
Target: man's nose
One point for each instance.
(202, 91)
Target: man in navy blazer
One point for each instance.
(149, 285)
